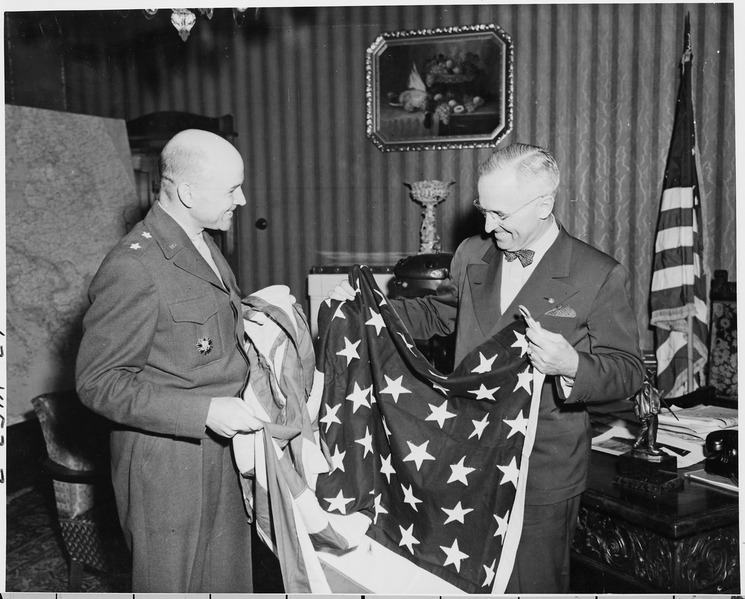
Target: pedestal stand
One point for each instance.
(429, 194)
(648, 473)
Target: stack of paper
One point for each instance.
(620, 437)
(698, 421)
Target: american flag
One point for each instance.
(678, 293)
(437, 461)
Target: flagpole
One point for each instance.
(690, 352)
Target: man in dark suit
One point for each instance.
(582, 335)
(162, 357)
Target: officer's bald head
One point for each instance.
(190, 156)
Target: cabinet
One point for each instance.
(683, 541)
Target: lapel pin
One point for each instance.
(204, 345)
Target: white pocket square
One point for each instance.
(562, 312)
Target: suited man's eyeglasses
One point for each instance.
(501, 216)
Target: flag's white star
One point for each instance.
(135, 246)
(339, 502)
(456, 514)
(385, 427)
(366, 442)
(386, 468)
(407, 538)
(521, 342)
(502, 525)
(483, 393)
(440, 388)
(376, 320)
(460, 471)
(409, 497)
(330, 416)
(382, 297)
(511, 473)
(439, 376)
(359, 397)
(349, 351)
(379, 509)
(489, 573)
(418, 454)
(408, 345)
(440, 414)
(146, 235)
(454, 555)
(338, 313)
(485, 364)
(394, 388)
(523, 380)
(479, 426)
(337, 459)
(518, 425)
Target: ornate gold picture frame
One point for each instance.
(436, 89)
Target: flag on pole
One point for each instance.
(678, 292)
(438, 462)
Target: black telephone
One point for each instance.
(721, 454)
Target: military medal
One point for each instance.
(204, 345)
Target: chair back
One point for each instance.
(76, 439)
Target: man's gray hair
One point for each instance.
(530, 162)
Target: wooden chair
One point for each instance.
(78, 465)
(722, 365)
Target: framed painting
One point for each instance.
(438, 89)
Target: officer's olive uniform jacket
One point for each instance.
(162, 337)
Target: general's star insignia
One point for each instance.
(146, 235)
(135, 246)
(204, 345)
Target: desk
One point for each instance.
(685, 541)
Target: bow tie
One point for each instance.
(525, 256)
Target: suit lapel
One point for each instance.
(177, 247)
(545, 289)
(222, 264)
(484, 282)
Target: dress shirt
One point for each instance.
(514, 276)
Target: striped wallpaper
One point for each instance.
(595, 83)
